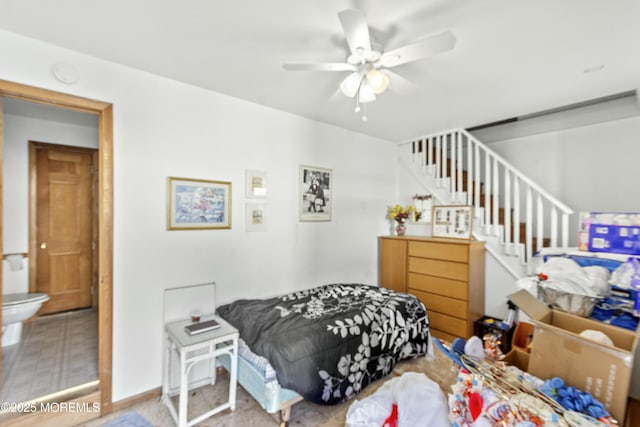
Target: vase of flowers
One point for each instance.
(400, 214)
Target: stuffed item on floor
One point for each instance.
(597, 336)
(474, 348)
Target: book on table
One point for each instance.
(200, 327)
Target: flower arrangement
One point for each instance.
(400, 213)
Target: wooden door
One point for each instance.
(64, 226)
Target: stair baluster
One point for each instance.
(459, 169)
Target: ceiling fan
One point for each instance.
(366, 64)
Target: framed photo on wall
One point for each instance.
(452, 221)
(256, 184)
(256, 217)
(198, 204)
(315, 197)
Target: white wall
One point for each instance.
(17, 132)
(164, 128)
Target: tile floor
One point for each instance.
(56, 352)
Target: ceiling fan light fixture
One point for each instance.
(349, 86)
(378, 81)
(366, 92)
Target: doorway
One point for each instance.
(104, 244)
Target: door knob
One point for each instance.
(43, 245)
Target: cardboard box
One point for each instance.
(520, 346)
(522, 337)
(518, 358)
(557, 350)
(614, 238)
(586, 219)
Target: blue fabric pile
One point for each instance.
(614, 311)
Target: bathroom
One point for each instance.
(57, 349)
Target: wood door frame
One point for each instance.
(33, 211)
(104, 111)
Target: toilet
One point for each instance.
(17, 308)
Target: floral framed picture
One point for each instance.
(198, 204)
(315, 193)
(256, 217)
(256, 184)
(452, 221)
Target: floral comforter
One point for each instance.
(328, 343)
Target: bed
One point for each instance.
(324, 344)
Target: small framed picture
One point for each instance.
(452, 221)
(315, 193)
(256, 217)
(256, 184)
(198, 204)
(423, 206)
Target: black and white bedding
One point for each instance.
(329, 342)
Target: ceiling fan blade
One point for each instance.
(401, 85)
(356, 31)
(418, 50)
(326, 66)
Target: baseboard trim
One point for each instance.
(135, 399)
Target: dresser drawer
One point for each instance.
(451, 325)
(432, 267)
(437, 333)
(444, 251)
(439, 285)
(451, 306)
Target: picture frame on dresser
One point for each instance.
(198, 204)
(452, 221)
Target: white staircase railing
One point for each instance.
(502, 197)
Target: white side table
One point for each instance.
(191, 349)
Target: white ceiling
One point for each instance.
(512, 57)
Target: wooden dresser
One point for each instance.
(446, 274)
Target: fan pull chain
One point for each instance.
(358, 108)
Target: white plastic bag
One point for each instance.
(564, 274)
(420, 403)
(372, 410)
(599, 279)
(623, 275)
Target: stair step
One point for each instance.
(469, 187)
(452, 186)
